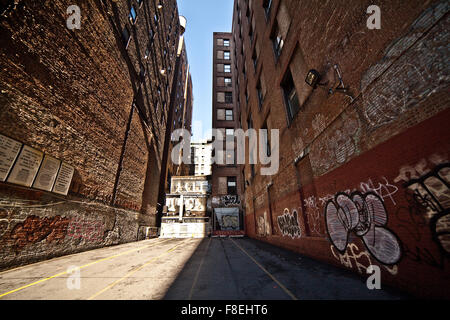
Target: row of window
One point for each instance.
(227, 185)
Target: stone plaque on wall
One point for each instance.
(26, 167)
(63, 179)
(9, 149)
(47, 173)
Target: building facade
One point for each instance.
(201, 155)
(87, 104)
(364, 144)
(226, 176)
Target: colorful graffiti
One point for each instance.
(288, 224)
(364, 215)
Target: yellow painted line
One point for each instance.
(289, 293)
(134, 271)
(84, 266)
(198, 271)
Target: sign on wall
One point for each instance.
(9, 149)
(63, 179)
(26, 167)
(47, 173)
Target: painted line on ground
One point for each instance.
(289, 293)
(194, 283)
(82, 267)
(134, 271)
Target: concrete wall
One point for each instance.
(372, 157)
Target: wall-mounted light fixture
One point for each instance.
(160, 6)
(313, 78)
(163, 72)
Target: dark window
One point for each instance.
(290, 96)
(140, 2)
(231, 185)
(277, 41)
(142, 73)
(133, 15)
(126, 36)
(267, 4)
(228, 97)
(260, 95)
(228, 82)
(255, 59)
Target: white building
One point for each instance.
(201, 153)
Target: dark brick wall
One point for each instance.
(392, 132)
(70, 94)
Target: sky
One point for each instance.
(203, 18)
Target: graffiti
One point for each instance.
(360, 259)
(432, 192)
(288, 224)
(407, 173)
(365, 215)
(230, 200)
(407, 74)
(313, 216)
(383, 189)
(337, 145)
(85, 229)
(319, 123)
(230, 221)
(35, 229)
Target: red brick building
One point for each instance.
(364, 172)
(96, 98)
(226, 176)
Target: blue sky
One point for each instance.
(203, 18)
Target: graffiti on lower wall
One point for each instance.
(313, 215)
(365, 215)
(360, 259)
(230, 222)
(288, 224)
(432, 192)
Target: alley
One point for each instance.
(184, 269)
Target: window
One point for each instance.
(229, 115)
(227, 82)
(228, 97)
(221, 114)
(255, 59)
(227, 68)
(231, 185)
(142, 73)
(267, 4)
(133, 15)
(151, 35)
(290, 96)
(226, 42)
(277, 41)
(140, 2)
(229, 132)
(268, 148)
(146, 53)
(260, 95)
(226, 55)
(126, 36)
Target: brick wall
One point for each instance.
(70, 94)
(341, 152)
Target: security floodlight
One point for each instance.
(312, 78)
